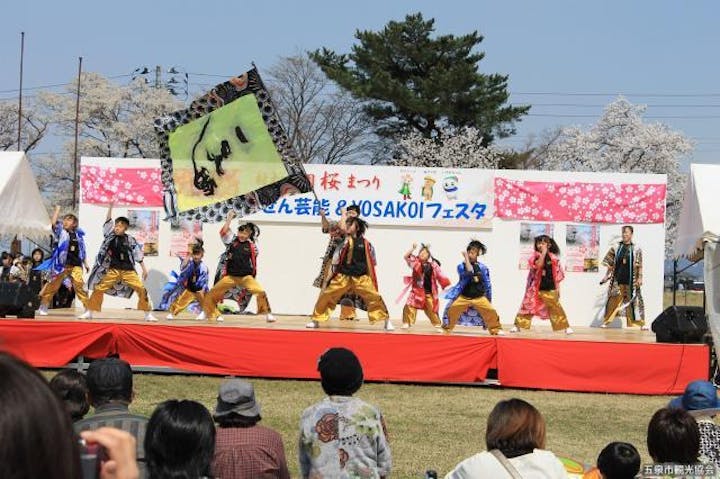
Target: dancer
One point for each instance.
(67, 260)
(624, 272)
(542, 292)
(355, 273)
(192, 283)
(114, 270)
(473, 290)
(426, 279)
(240, 270)
(337, 232)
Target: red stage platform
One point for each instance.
(592, 360)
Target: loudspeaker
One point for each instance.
(17, 299)
(681, 324)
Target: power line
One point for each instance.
(655, 117)
(57, 85)
(646, 95)
(597, 105)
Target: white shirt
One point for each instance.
(539, 464)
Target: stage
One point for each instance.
(591, 360)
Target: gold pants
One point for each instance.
(76, 276)
(347, 312)
(614, 301)
(481, 305)
(130, 278)
(410, 313)
(217, 293)
(341, 284)
(551, 300)
(185, 299)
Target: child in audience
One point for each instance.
(618, 460)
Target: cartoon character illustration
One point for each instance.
(405, 188)
(427, 189)
(450, 185)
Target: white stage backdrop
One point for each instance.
(291, 242)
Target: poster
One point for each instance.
(392, 195)
(582, 247)
(144, 227)
(528, 232)
(183, 234)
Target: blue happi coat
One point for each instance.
(55, 264)
(470, 317)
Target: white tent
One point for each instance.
(699, 234)
(22, 211)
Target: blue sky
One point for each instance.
(604, 48)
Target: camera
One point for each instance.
(91, 457)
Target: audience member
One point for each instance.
(343, 436)
(110, 391)
(180, 441)
(244, 449)
(36, 435)
(618, 460)
(71, 388)
(701, 401)
(673, 437)
(515, 441)
(6, 262)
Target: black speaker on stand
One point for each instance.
(681, 324)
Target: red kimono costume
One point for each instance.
(419, 297)
(544, 303)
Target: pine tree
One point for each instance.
(415, 83)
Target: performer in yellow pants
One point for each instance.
(218, 291)
(114, 270)
(239, 267)
(542, 295)
(76, 276)
(481, 305)
(185, 299)
(410, 312)
(113, 276)
(558, 318)
(473, 290)
(341, 284)
(355, 274)
(67, 260)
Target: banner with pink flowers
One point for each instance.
(126, 186)
(580, 202)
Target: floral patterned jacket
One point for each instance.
(343, 437)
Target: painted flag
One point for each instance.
(227, 151)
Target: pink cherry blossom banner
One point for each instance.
(127, 186)
(580, 202)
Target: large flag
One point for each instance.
(227, 151)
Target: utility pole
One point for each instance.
(158, 76)
(22, 55)
(77, 134)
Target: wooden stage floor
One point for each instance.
(539, 330)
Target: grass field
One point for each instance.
(432, 426)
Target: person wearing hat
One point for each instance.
(701, 401)
(244, 449)
(343, 436)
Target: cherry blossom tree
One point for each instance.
(453, 148)
(34, 126)
(622, 142)
(115, 121)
